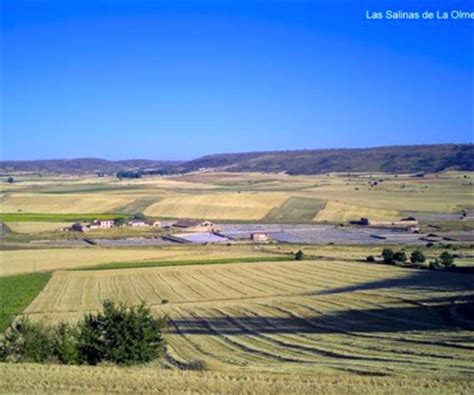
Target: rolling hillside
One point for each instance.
(393, 159)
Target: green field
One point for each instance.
(17, 292)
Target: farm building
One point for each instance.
(78, 227)
(102, 224)
(402, 223)
(196, 226)
(137, 223)
(259, 237)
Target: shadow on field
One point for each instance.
(345, 322)
(423, 280)
(436, 313)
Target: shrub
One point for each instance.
(65, 344)
(120, 221)
(120, 334)
(299, 256)
(417, 256)
(446, 259)
(388, 255)
(434, 264)
(26, 341)
(370, 258)
(400, 256)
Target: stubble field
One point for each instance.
(324, 316)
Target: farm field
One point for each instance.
(17, 292)
(337, 211)
(36, 226)
(61, 204)
(243, 196)
(34, 378)
(323, 316)
(48, 259)
(218, 206)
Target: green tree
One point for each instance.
(417, 256)
(400, 256)
(446, 259)
(10, 180)
(119, 221)
(370, 258)
(121, 334)
(140, 216)
(388, 255)
(299, 256)
(26, 341)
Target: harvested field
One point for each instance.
(36, 227)
(62, 203)
(218, 206)
(296, 209)
(326, 316)
(37, 260)
(335, 211)
(34, 378)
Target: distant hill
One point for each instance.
(84, 165)
(392, 159)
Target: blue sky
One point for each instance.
(180, 79)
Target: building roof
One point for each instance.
(186, 223)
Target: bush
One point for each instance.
(26, 341)
(299, 256)
(370, 258)
(400, 256)
(434, 264)
(121, 334)
(417, 256)
(446, 259)
(388, 255)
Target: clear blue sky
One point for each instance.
(180, 79)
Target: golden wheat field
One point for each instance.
(322, 316)
(223, 206)
(338, 211)
(33, 378)
(48, 259)
(62, 203)
(36, 227)
(243, 197)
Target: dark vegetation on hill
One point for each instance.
(84, 165)
(393, 159)
(396, 159)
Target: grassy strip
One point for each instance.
(32, 217)
(187, 262)
(17, 292)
